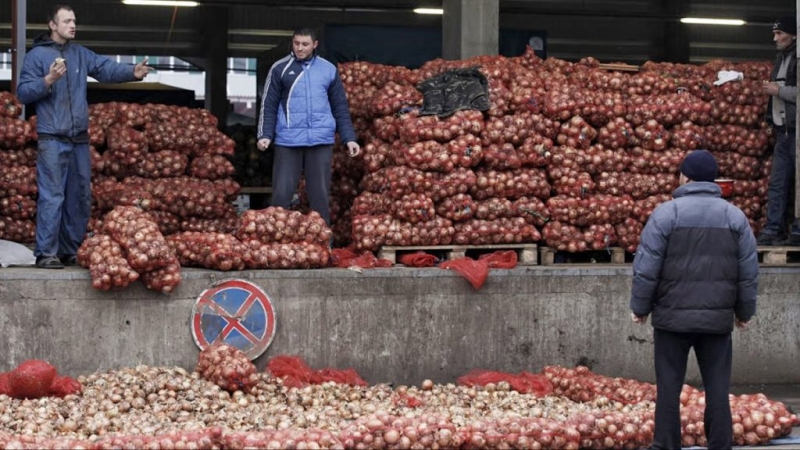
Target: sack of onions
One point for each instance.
(19, 157)
(457, 208)
(18, 207)
(107, 263)
(17, 230)
(297, 255)
(227, 367)
(17, 180)
(140, 237)
(217, 251)
(164, 279)
(278, 225)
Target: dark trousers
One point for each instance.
(292, 162)
(781, 186)
(714, 356)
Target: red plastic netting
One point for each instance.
(524, 382)
(503, 259)
(417, 259)
(345, 258)
(473, 271)
(296, 373)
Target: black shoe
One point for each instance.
(793, 241)
(765, 239)
(68, 260)
(48, 262)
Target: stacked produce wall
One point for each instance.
(17, 173)
(162, 193)
(569, 154)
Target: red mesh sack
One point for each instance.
(5, 386)
(32, 379)
(227, 367)
(344, 258)
(63, 386)
(475, 272)
(525, 382)
(346, 376)
(418, 259)
(532, 383)
(504, 259)
(292, 369)
(341, 257)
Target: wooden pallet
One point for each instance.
(778, 256)
(527, 254)
(613, 255)
(619, 67)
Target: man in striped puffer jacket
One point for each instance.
(696, 271)
(304, 105)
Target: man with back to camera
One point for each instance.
(304, 105)
(781, 113)
(53, 80)
(696, 271)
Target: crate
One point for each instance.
(527, 254)
(612, 255)
(778, 256)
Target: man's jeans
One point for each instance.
(63, 175)
(781, 185)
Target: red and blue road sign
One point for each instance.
(237, 313)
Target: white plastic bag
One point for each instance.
(724, 76)
(13, 254)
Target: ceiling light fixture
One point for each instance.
(705, 21)
(160, 2)
(438, 11)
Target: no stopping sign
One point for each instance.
(235, 312)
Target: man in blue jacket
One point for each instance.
(53, 80)
(696, 271)
(304, 105)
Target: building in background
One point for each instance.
(176, 72)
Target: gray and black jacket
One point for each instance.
(696, 267)
(788, 92)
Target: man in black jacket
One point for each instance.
(696, 271)
(782, 89)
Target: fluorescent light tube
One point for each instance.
(704, 21)
(160, 2)
(438, 11)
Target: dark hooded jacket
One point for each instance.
(62, 110)
(696, 267)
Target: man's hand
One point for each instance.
(353, 149)
(641, 320)
(142, 69)
(262, 144)
(57, 70)
(770, 88)
(741, 325)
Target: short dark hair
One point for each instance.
(54, 12)
(305, 32)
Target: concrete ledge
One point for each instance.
(401, 325)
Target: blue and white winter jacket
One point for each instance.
(62, 109)
(304, 104)
(696, 267)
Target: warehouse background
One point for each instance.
(251, 34)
